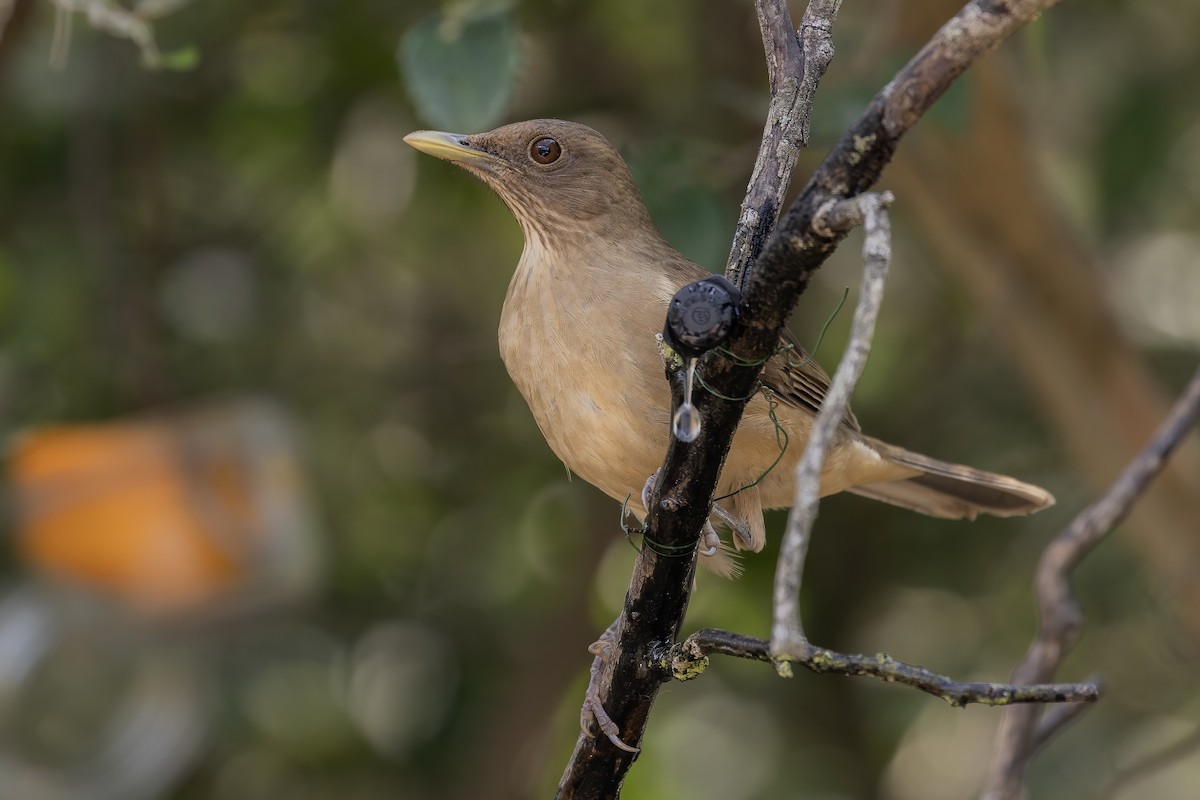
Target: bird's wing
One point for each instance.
(798, 380)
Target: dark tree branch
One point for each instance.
(1061, 619)
(661, 585)
(690, 657)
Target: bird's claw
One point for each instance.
(710, 543)
(741, 531)
(601, 648)
(593, 709)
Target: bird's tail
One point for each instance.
(952, 491)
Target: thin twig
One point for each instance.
(1061, 619)
(690, 657)
(106, 16)
(795, 64)
(788, 642)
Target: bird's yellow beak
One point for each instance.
(450, 147)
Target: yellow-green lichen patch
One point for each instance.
(686, 669)
(670, 356)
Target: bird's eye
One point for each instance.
(545, 150)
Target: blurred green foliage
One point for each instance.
(255, 224)
(460, 66)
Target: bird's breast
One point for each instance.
(590, 373)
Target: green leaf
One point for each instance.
(460, 66)
(184, 59)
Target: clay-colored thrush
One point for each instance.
(577, 334)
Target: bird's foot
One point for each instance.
(741, 531)
(593, 709)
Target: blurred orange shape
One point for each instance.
(162, 513)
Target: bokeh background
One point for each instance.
(277, 524)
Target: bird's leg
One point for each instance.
(710, 543)
(593, 709)
(740, 529)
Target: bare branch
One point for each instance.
(690, 657)
(788, 642)
(662, 580)
(661, 585)
(1061, 620)
(115, 19)
(105, 16)
(794, 69)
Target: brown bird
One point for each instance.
(577, 334)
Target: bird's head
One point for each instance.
(558, 178)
